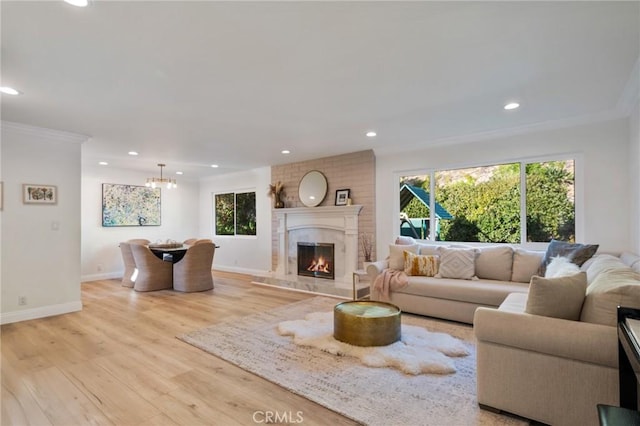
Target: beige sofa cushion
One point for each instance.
(494, 263)
(480, 292)
(604, 263)
(610, 289)
(525, 264)
(457, 263)
(429, 249)
(560, 297)
(396, 254)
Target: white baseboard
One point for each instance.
(246, 271)
(103, 276)
(41, 312)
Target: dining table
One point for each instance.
(169, 252)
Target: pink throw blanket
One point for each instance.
(389, 280)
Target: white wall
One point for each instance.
(634, 168)
(39, 262)
(240, 254)
(101, 257)
(603, 191)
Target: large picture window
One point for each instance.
(505, 203)
(235, 213)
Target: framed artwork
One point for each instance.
(39, 194)
(342, 197)
(1, 195)
(130, 205)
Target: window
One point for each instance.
(235, 213)
(496, 203)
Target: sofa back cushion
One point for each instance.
(494, 263)
(560, 297)
(525, 264)
(610, 289)
(396, 255)
(604, 263)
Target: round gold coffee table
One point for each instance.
(366, 323)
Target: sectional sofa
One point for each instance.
(494, 273)
(546, 347)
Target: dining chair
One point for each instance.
(139, 241)
(190, 241)
(129, 264)
(193, 272)
(203, 241)
(153, 272)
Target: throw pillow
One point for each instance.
(561, 267)
(610, 289)
(396, 255)
(407, 241)
(424, 265)
(560, 297)
(457, 263)
(494, 263)
(525, 264)
(577, 253)
(429, 249)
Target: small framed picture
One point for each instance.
(342, 197)
(1, 195)
(39, 194)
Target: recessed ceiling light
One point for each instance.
(133, 153)
(371, 134)
(178, 173)
(286, 151)
(511, 105)
(79, 3)
(9, 90)
(215, 166)
(103, 163)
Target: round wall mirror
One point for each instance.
(312, 188)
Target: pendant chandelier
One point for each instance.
(154, 182)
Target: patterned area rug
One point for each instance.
(371, 396)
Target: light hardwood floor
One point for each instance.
(117, 362)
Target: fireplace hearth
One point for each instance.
(316, 260)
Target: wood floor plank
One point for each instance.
(118, 361)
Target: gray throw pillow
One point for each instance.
(576, 253)
(560, 297)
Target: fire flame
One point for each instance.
(319, 265)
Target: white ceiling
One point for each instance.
(233, 83)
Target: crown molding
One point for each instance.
(43, 132)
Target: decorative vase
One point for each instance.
(277, 201)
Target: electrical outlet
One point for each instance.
(22, 300)
(99, 267)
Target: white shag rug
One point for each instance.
(418, 352)
(370, 396)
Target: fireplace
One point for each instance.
(316, 260)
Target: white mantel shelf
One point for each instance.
(339, 218)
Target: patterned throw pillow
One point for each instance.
(415, 264)
(457, 263)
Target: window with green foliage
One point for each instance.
(235, 213)
(485, 204)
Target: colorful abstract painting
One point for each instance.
(130, 205)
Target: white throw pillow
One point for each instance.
(561, 266)
(560, 297)
(396, 255)
(457, 263)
